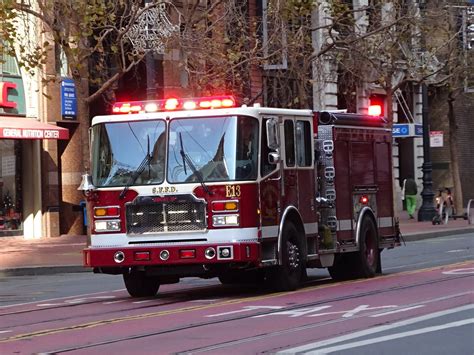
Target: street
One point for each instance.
(423, 304)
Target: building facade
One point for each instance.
(29, 190)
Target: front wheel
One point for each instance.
(287, 277)
(140, 285)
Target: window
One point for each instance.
(303, 143)
(265, 166)
(8, 64)
(274, 38)
(11, 221)
(61, 61)
(120, 150)
(289, 143)
(213, 149)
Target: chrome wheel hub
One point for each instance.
(293, 256)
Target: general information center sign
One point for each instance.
(68, 99)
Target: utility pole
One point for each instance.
(427, 210)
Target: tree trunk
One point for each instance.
(454, 154)
(74, 163)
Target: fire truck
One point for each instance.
(205, 188)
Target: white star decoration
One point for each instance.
(150, 29)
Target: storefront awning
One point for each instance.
(27, 128)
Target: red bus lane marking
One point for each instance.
(177, 316)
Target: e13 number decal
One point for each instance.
(232, 191)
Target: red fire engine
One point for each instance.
(198, 187)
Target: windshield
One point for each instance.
(220, 148)
(118, 149)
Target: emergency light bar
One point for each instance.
(174, 104)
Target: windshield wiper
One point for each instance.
(144, 163)
(188, 160)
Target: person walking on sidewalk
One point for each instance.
(410, 190)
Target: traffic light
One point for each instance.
(377, 105)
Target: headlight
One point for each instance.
(107, 226)
(225, 220)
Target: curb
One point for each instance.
(43, 270)
(413, 237)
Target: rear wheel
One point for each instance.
(363, 263)
(367, 259)
(140, 285)
(287, 277)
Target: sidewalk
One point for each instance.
(63, 254)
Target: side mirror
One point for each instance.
(273, 138)
(273, 158)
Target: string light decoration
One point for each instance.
(151, 29)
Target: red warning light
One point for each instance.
(377, 105)
(173, 104)
(375, 110)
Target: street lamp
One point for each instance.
(427, 210)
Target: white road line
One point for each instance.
(244, 309)
(50, 304)
(374, 330)
(465, 271)
(144, 301)
(5, 331)
(112, 302)
(396, 311)
(391, 337)
(58, 298)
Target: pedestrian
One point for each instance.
(409, 193)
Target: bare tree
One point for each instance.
(458, 58)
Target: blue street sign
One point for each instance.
(401, 130)
(68, 99)
(418, 130)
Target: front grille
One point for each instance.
(155, 217)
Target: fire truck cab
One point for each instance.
(198, 187)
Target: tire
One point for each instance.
(242, 277)
(343, 268)
(288, 276)
(140, 285)
(367, 259)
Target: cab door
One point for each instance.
(305, 173)
(289, 193)
(269, 193)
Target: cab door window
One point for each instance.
(289, 143)
(265, 166)
(303, 143)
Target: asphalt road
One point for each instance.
(422, 304)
